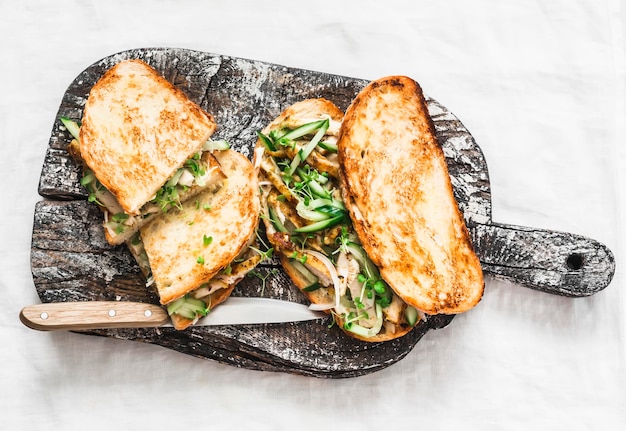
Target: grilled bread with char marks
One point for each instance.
(202, 251)
(187, 248)
(397, 189)
(138, 130)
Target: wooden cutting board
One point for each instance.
(71, 260)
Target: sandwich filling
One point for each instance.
(309, 226)
(400, 196)
(200, 172)
(189, 308)
(191, 193)
(196, 255)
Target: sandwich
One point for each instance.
(308, 224)
(144, 147)
(397, 189)
(195, 256)
(361, 212)
(186, 206)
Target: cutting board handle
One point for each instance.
(556, 262)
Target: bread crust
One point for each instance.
(137, 130)
(396, 186)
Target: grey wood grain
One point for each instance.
(550, 261)
(71, 260)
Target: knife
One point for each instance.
(85, 315)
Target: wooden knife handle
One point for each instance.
(85, 315)
(555, 262)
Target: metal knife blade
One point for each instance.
(85, 315)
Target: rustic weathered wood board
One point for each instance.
(72, 261)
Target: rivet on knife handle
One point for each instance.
(85, 315)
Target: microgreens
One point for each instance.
(263, 278)
(168, 195)
(265, 255)
(301, 258)
(119, 217)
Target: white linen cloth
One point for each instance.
(541, 86)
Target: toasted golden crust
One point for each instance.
(137, 130)
(180, 257)
(399, 194)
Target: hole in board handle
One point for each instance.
(575, 261)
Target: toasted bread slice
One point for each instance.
(399, 194)
(186, 248)
(214, 291)
(137, 130)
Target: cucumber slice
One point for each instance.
(321, 225)
(311, 280)
(308, 148)
(193, 302)
(188, 307)
(303, 130)
(328, 146)
(320, 209)
(173, 307)
(310, 214)
(411, 315)
(318, 190)
(71, 126)
(219, 145)
(266, 141)
(330, 211)
(327, 206)
(186, 312)
(312, 287)
(278, 225)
